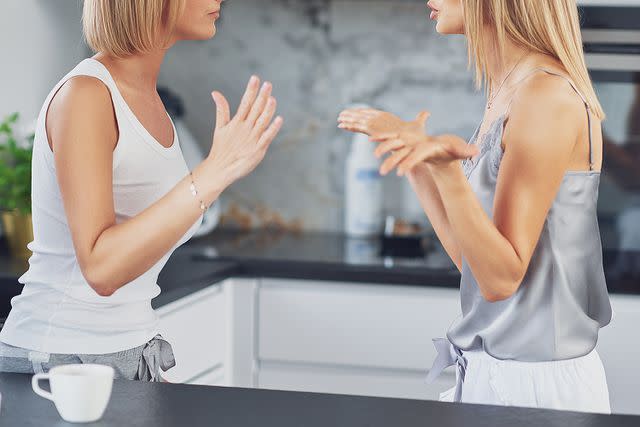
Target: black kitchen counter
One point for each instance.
(161, 404)
(335, 257)
(326, 256)
(308, 256)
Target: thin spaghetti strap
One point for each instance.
(526, 76)
(584, 100)
(590, 137)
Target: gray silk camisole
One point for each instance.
(562, 302)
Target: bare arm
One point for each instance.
(83, 133)
(539, 140)
(427, 192)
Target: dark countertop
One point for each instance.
(335, 257)
(309, 256)
(326, 256)
(161, 404)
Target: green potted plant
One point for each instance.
(15, 187)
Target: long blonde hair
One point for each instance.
(551, 27)
(127, 27)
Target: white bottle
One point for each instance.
(363, 190)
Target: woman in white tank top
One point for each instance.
(112, 195)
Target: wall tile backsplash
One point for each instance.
(322, 56)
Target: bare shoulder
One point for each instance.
(80, 93)
(546, 117)
(83, 104)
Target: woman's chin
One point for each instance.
(210, 32)
(198, 36)
(204, 33)
(444, 29)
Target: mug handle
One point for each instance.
(36, 386)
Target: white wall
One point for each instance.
(40, 41)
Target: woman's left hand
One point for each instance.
(410, 149)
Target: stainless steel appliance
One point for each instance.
(611, 37)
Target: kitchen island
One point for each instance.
(162, 404)
(325, 313)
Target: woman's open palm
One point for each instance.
(240, 143)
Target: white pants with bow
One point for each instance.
(576, 384)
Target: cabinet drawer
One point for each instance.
(620, 351)
(194, 326)
(352, 324)
(214, 377)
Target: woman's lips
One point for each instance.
(434, 11)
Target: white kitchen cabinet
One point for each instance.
(215, 376)
(406, 384)
(196, 328)
(619, 349)
(351, 338)
(241, 358)
(353, 324)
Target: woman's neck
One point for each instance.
(135, 71)
(498, 67)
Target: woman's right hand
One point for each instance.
(379, 125)
(240, 143)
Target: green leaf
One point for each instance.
(15, 169)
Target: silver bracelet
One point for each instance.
(194, 192)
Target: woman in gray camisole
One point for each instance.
(533, 290)
(562, 302)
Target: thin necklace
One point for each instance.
(497, 92)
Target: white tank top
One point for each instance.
(57, 311)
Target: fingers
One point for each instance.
(355, 120)
(354, 127)
(261, 101)
(422, 118)
(465, 151)
(266, 116)
(354, 117)
(270, 133)
(223, 113)
(381, 137)
(356, 114)
(456, 148)
(360, 112)
(437, 152)
(248, 98)
(418, 155)
(387, 146)
(392, 161)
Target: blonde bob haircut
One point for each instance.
(551, 27)
(127, 27)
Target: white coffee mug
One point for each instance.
(80, 392)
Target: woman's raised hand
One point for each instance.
(413, 150)
(240, 143)
(406, 143)
(379, 125)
